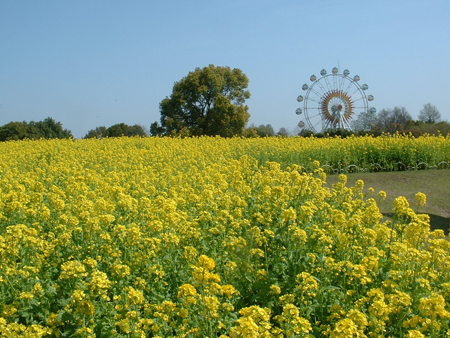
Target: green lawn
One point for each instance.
(433, 183)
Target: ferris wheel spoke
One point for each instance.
(322, 89)
(328, 84)
(357, 90)
(348, 87)
(314, 116)
(359, 99)
(315, 100)
(341, 83)
(316, 92)
(336, 82)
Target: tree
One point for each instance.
(306, 133)
(393, 120)
(438, 128)
(122, 129)
(265, 130)
(14, 131)
(364, 121)
(136, 130)
(98, 132)
(116, 130)
(208, 101)
(283, 132)
(48, 129)
(429, 114)
(338, 132)
(250, 132)
(156, 129)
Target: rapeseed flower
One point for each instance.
(203, 237)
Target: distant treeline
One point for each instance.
(47, 129)
(414, 128)
(117, 130)
(50, 129)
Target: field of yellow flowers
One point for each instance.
(213, 237)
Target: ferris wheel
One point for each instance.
(332, 100)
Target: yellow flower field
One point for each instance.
(213, 237)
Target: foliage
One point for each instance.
(429, 114)
(260, 131)
(418, 128)
(339, 132)
(47, 129)
(364, 121)
(283, 132)
(439, 128)
(397, 119)
(122, 129)
(15, 131)
(265, 130)
(387, 120)
(306, 133)
(250, 132)
(98, 132)
(214, 237)
(393, 120)
(208, 101)
(328, 133)
(117, 130)
(412, 132)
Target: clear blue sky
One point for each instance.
(90, 63)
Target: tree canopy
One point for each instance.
(208, 101)
(98, 132)
(116, 130)
(392, 120)
(283, 132)
(364, 121)
(264, 130)
(429, 114)
(48, 129)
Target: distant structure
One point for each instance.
(331, 101)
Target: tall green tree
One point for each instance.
(208, 101)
